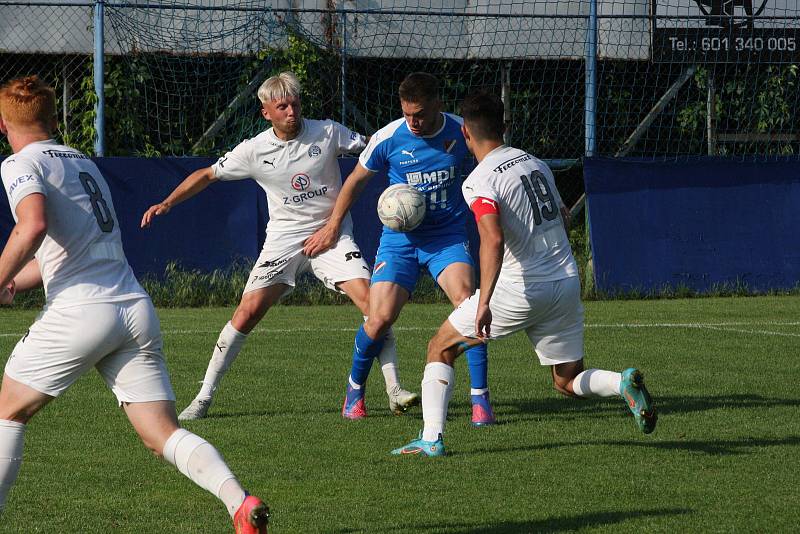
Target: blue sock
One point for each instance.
(364, 351)
(478, 361)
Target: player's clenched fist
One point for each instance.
(157, 209)
(7, 294)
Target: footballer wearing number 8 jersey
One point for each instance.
(295, 162)
(66, 238)
(529, 281)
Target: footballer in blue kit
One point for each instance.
(432, 164)
(425, 149)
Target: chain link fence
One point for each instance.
(672, 78)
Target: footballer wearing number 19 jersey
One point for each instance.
(529, 281)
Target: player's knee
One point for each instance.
(377, 325)
(246, 317)
(460, 297)
(17, 413)
(21, 416)
(438, 352)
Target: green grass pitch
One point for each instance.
(725, 374)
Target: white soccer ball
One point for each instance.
(401, 207)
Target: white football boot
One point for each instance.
(401, 400)
(196, 410)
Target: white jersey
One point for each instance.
(536, 245)
(301, 176)
(81, 258)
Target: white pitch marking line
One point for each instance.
(724, 326)
(762, 332)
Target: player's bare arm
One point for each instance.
(192, 185)
(328, 235)
(491, 258)
(566, 217)
(29, 277)
(24, 241)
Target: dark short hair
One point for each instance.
(483, 113)
(419, 87)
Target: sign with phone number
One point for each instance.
(717, 45)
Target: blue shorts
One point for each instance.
(400, 258)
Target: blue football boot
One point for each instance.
(423, 448)
(638, 399)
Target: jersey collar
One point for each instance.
(276, 139)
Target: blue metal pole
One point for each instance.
(590, 114)
(343, 53)
(100, 117)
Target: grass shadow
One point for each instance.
(555, 524)
(666, 405)
(714, 447)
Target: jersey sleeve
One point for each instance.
(21, 177)
(474, 189)
(234, 165)
(376, 156)
(346, 140)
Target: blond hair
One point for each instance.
(284, 85)
(28, 100)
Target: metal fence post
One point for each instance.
(343, 68)
(590, 113)
(100, 116)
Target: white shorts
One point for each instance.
(282, 261)
(551, 313)
(122, 340)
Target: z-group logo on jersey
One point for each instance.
(300, 182)
(314, 151)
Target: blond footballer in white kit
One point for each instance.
(295, 162)
(96, 314)
(529, 281)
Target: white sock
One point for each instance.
(388, 360)
(12, 436)
(353, 384)
(226, 350)
(437, 388)
(597, 383)
(198, 460)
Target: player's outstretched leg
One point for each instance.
(629, 385)
(478, 362)
(199, 461)
(227, 348)
(638, 399)
(365, 349)
(400, 400)
(437, 388)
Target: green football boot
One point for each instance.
(638, 399)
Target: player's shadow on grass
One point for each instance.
(565, 408)
(555, 524)
(717, 447)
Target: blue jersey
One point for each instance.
(432, 164)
